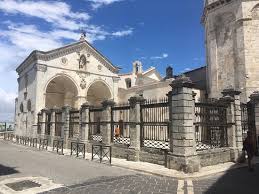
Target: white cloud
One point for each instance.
(99, 3)
(7, 105)
(18, 39)
(123, 33)
(57, 13)
(163, 56)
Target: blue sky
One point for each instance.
(157, 32)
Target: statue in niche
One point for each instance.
(82, 62)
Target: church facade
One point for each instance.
(78, 73)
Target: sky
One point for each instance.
(157, 32)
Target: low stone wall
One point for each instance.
(155, 156)
(215, 156)
(120, 151)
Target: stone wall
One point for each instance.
(232, 44)
(215, 156)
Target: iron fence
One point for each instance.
(43, 144)
(155, 124)
(74, 127)
(78, 149)
(40, 121)
(120, 126)
(210, 125)
(95, 115)
(58, 146)
(47, 123)
(244, 120)
(58, 123)
(103, 153)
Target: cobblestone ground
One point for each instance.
(125, 184)
(237, 181)
(78, 176)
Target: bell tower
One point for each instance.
(232, 40)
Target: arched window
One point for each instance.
(29, 105)
(21, 107)
(128, 83)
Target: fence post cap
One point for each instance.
(231, 92)
(254, 96)
(86, 104)
(136, 99)
(226, 99)
(182, 81)
(107, 103)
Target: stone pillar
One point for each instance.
(106, 122)
(182, 155)
(84, 120)
(233, 98)
(135, 127)
(65, 126)
(255, 102)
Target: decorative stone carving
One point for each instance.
(41, 67)
(83, 84)
(82, 62)
(64, 60)
(100, 67)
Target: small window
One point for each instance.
(29, 105)
(21, 107)
(128, 83)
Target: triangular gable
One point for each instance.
(151, 71)
(65, 50)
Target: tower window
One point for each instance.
(128, 83)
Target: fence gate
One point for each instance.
(210, 125)
(95, 115)
(155, 124)
(120, 126)
(74, 127)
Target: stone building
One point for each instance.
(78, 73)
(232, 44)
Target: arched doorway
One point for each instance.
(61, 91)
(97, 93)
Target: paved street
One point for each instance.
(82, 176)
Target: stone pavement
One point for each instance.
(71, 175)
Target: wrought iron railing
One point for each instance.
(95, 115)
(121, 124)
(155, 124)
(210, 126)
(74, 127)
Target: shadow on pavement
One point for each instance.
(5, 170)
(237, 181)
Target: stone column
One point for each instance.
(255, 102)
(106, 122)
(182, 155)
(135, 128)
(233, 98)
(65, 126)
(84, 120)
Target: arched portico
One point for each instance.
(98, 92)
(61, 91)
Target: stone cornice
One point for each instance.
(75, 47)
(211, 6)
